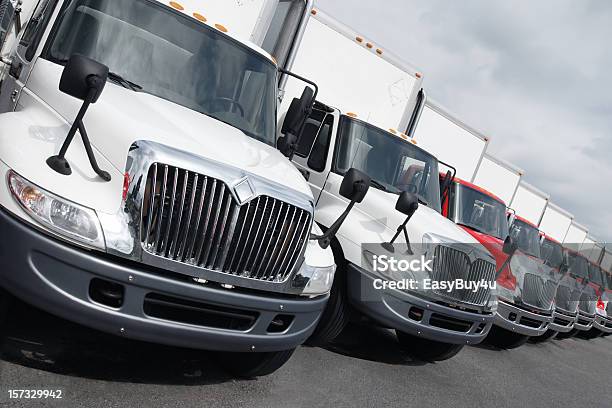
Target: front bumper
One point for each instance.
(563, 321)
(584, 322)
(414, 315)
(603, 324)
(57, 278)
(521, 321)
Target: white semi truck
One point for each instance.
(450, 140)
(367, 97)
(172, 218)
(530, 202)
(498, 177)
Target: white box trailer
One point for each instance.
(576, 234)
(445, 136)
(555, 222)
(529, 202)
(353, 73)
(498, 177)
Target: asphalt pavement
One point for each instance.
(365, 367)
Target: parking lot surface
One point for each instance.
(365, 367)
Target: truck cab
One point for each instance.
(430, 324)
(525, 286)
(569, 289)
(603, 320)
(171, 217)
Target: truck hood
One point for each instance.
(380, 206)
(121, 117)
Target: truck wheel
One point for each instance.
(336, 314)
(5, 301)
(550, 334)
(427, 350)
(505, 339)
(251, 365)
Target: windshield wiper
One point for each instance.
(378, 185)
(124, 82)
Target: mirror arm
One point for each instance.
(389, 245)
(18, 18)
(301, 78)
(325, 239)
(59, 162)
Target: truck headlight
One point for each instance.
(320, 279)
(69, 220)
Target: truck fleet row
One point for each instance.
(218, 174)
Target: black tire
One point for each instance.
(549, 335)
(568, 335)
(5, 302)
(589, 335)
(504, 339)
(427, 350)
(336, 314)
(251, 365)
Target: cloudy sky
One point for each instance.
(536, 76)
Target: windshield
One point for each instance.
(480, 212)
(552, 253)
(157, 50)
(393, 164)
(578, 265)
(527, 237)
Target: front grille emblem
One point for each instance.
(244, 190)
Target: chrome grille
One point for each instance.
(588, 302)
(537, 292)
(192, 218)
(451, 264)
(563, 298)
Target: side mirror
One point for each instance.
(84, 79)
(8, 12)
(299, 110)
(355, 186)
(407, 203)
(510, 246)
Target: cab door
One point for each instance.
(23, 55)
(314, 153)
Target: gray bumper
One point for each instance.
(603, 324)
(56, 277)
(584, 322)
(563, 322)
(392, 308)
(521, 321)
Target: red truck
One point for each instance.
(526, 286)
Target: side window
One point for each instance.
(36, 26)
(309, 133)
(320, 150)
